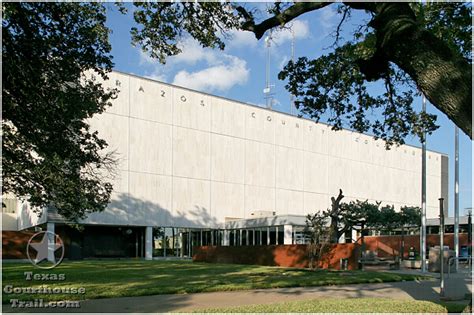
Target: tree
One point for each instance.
(405, 46)
(343, 217)
(50, 155)
(316, 230)
(408, 217)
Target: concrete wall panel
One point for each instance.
(259, 164)
(227, 200)
(118, 211)
(379, 154)
(150, 199)
(433, 166)
(150, 100)
(362, 147)
(433, 191)
(289, 131)
(227, 159)
(315, 137)
(191, 203)
(289, 168)
(315, 172)
(191, 153)
(114, 129)
(150, 147)
(335, 143)
(339, 174)
(121, 82)
(289, 202)
(316, 202)
(360, 178)
(191, 109)
(258, 199)
(260, 125)
(228, 118)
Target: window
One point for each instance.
(250, 237)
(273, 236)
(232, 238)
(264, 236)
(280, 235)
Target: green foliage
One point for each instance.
(316, 230)
(163, 25)
(337, 86)
(357, 214)
(50, 155)
(450, 21)
(334, 85)
(378, 217)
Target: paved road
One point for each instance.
(417, 290)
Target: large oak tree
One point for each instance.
(408, 47)
(49, 154)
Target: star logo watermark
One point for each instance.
(47, 246)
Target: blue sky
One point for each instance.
(238, 73)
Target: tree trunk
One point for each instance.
(333, 229)
(442, 74)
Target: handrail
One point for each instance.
(468, 258)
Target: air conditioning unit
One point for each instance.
(262, 214)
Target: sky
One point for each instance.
(238, 73)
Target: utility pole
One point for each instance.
(441, 245)
(423, 196)
(456, 195)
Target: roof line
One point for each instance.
(256, 106)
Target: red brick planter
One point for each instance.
(276, 255)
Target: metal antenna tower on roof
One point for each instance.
(268, 87)
(292, 97)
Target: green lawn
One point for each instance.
(118, 278)
(356, 305)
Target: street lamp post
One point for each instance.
(423, 196)
(441, 245)
(469, 233)
(362, 244)
(456, 196)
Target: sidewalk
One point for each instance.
(413, 290)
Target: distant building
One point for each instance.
(200, 169)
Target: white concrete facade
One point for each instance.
(189, 159)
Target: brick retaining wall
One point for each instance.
(14, 244)
(276, 255)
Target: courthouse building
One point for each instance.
(195, 169)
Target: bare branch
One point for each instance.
(280, 19)
(346, 13)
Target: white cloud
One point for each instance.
(215, 78)
(192, 52)
(218, 71)
(242, 39)
(154, 69)
(299, 27)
